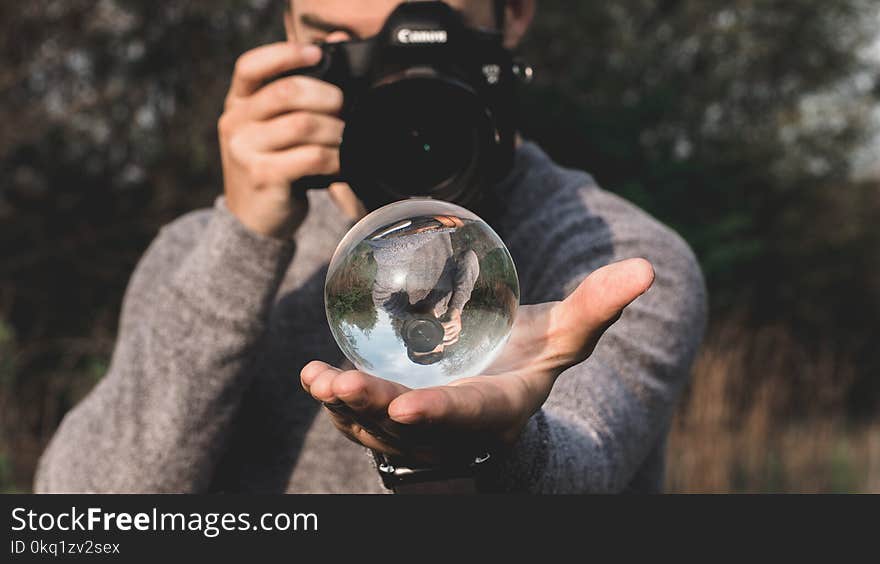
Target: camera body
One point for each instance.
(430, 107)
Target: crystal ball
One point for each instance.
(421, 292)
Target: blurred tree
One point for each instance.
(736, 123)
(725, 119)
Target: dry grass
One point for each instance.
(766, 413)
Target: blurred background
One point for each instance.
(751, 127)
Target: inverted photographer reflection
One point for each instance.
(423, 284)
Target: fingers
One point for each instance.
(312, 370)
(292, 129)
(604, 293)
(346, 200)
(273, 131)
(295, 93)
(577, 323)
(361, 392)
(451, 332)
(431, 424)
(258, 65)
(365, 394)
(357, 403)
(276, 168)
(302, 161)
(471, 405)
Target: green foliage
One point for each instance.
(497, 266)
(6, 483)
(7, 376)
(7, 354)
(350, 292)
(494, 264)
(844, 475)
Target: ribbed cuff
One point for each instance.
(521, 470)
(233, 273)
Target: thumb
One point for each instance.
(598, 301)
(346, 200)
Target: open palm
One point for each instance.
(487, 412)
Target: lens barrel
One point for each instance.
(423, 334)
(423, 135)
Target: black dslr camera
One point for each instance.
(429, 107)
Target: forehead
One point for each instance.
(367, 16)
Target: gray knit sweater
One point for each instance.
(203, 392)
(436, 279)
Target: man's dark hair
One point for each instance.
(499, 11)
(424, 359)
(500, 5)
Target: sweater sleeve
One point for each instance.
(193, 314)
(606, 415)
(467, 270)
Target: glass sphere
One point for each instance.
(421, 292)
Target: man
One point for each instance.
(436, 282)
(225, 309)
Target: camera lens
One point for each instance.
(420, 136)
(423, 334)
(419, 151)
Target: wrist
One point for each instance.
(232, 273)
(267, 215)
(274, 223)
(471, 475)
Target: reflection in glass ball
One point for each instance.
(421, 292)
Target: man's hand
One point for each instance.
(452, 328)
(485, 413)
(273, 134)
